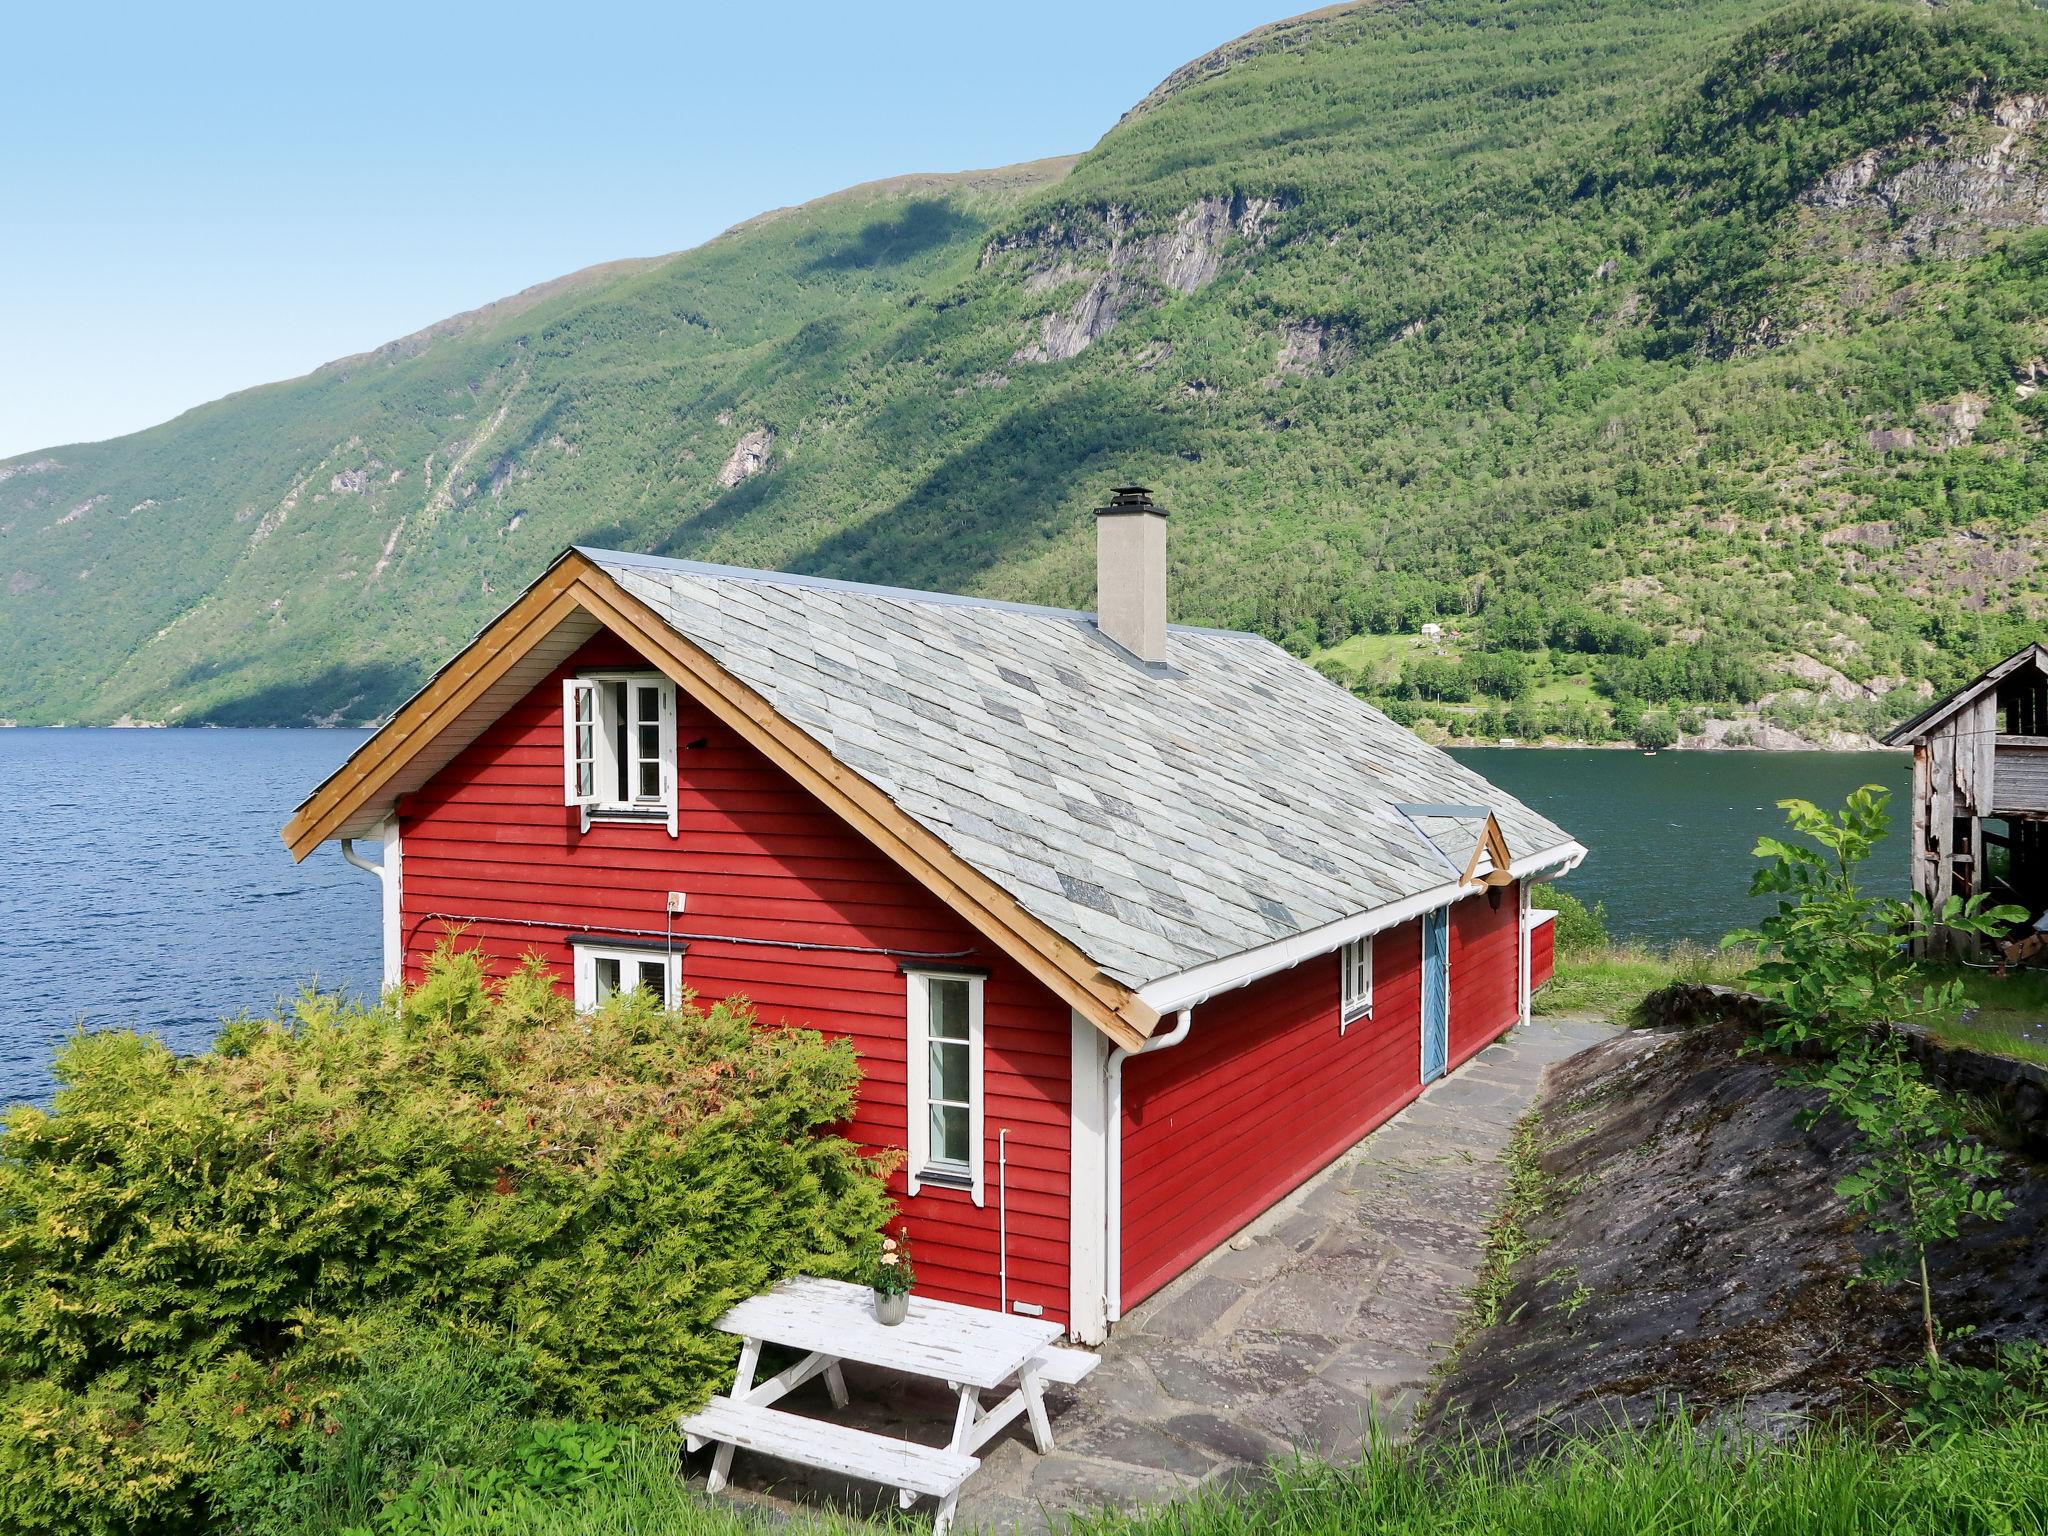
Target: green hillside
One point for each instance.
(1673, 358)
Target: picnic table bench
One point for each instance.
(972, 1349)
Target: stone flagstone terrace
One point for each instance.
(1332, 1308)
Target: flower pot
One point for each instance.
(891, 1310)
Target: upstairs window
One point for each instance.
(619, 747)
(944, 1080)
(1355, 966)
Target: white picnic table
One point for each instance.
(971, 1349)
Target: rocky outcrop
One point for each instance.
(1695, 1251)
(1309, 347)
(1940, 192)
(1955, 422)
(31, 467)
(1123, 268)
(749, 457)
(2020, 1088)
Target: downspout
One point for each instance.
(1113, 1164)
(388, 874)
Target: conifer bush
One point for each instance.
(196, 1254)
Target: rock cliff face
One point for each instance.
(1123, 267)
(750, 455)
(1939, 193)
(1695, 1250)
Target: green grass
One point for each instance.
(1370, 654)
(1666, 1483)
(2005, 1016)
(1537, 239)
(1611, 979)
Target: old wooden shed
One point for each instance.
(1980, 786)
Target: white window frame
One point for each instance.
(917, 1084)
(1354, 983)
(586, 957)
(589, 701)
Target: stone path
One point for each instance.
(1329, 1310)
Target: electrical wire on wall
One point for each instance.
(670, 936)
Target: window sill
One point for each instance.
(647, 813)
(947, 1178)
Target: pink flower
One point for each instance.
(889, 1258)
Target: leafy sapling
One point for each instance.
(1837, 963)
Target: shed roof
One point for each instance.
(1934, 716)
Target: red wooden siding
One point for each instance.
(488, 839)
(1485, 971)
(1542, 951)
(1263, 1092)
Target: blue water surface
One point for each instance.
(145, 886)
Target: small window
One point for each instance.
(602, 973)
(944, 1071)
(1355, 965)
(619, 747)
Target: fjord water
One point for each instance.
(146, 886)
(1670, 835)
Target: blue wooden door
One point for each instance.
(1436, 992)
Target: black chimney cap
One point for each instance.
(1130, 498)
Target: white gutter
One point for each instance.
(1113, 1162)
(1170, 994)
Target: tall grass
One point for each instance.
(1671, 1482)
(1668, 1482)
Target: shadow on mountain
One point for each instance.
(347, 694)
(1010, 488)
(922, 226)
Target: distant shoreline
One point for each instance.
(1865, 744)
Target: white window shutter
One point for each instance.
(580, 732)
(670, 769)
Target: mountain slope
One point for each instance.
(1580, 327)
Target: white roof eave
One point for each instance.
(1187, 988)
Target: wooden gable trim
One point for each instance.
(576, 583)
(457, 686)
(1492, 842)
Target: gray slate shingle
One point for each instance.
(1155, 821)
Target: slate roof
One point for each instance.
(1155, 818)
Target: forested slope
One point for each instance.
(1672, 357)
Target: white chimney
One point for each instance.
(1130, 572)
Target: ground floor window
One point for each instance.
(604, 970)
(944, 1080)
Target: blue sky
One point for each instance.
(197, 199)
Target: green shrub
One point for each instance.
(423, 1406)
(198, 1254)
(1580, 928)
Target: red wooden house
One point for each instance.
(1134, 927)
